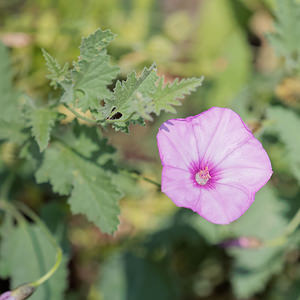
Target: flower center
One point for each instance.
(202, 176)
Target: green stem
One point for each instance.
(50, 237)
(6, 206)
(50, 272)
(293, 224)
(150, 181)
(80, 116)
(282, 239)
(137, 175)
(6, 186)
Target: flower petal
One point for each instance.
(179, 187)
(248, 166)
(177, 144)
(224, 203)
(218, 132)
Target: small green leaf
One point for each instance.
(56, 73)
(95, 44)
(42, 121)
(132, 98)
(90, 80)
(169, 95)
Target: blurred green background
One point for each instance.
(162, 252)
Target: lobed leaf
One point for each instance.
(95, 44)
(90, 80)
(132, 98)
(68, 166)
(165, 97)
(56, 73)
(42, 121)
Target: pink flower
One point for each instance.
(212, 164)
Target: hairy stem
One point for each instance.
(80, 116)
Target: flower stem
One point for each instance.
(137, 175)
(26, 210)
(292, 226)
(51, 271)
(80, 116)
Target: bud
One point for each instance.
(20, 293)
(243, 242)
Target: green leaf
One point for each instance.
(28, 255)
(133, 96)
(286, 38)
(286, 123)
(92, 190)
(135, 99)
(90, 80)
(56, 73)
(165, 97)
(95, 44)
(42, 121)
(253, 268)
(153, 279)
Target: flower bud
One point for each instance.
(243, 242)
(20, 293)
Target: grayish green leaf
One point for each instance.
(68, 167)
(42, 121)
(56, 73)
(90, 80)
(132, 98)
(166, 96)
(95, 44)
